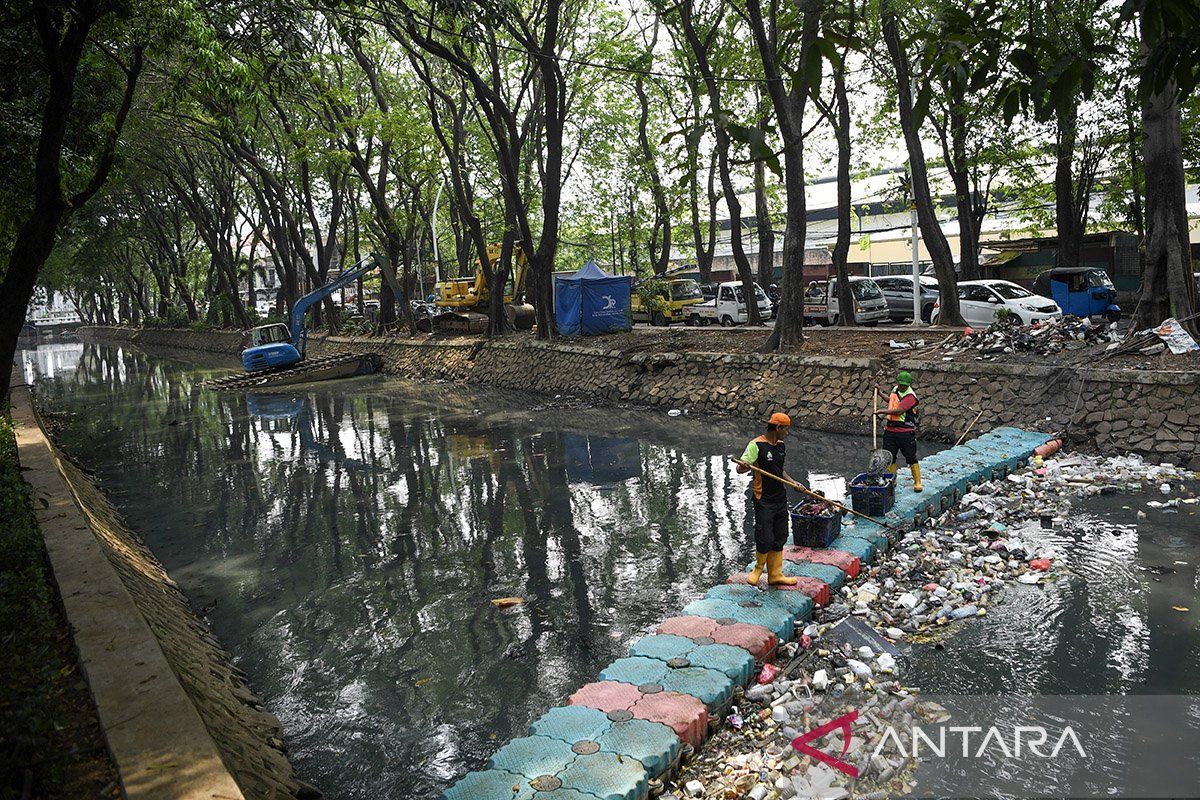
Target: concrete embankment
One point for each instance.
(178, 717)
(1139, 411)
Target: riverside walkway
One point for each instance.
(632, 725)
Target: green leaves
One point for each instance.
(755, 138)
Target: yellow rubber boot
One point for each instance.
(892, 468)
(760, 561)
(916, 471)
(775, 575)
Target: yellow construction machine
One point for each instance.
(463, 303)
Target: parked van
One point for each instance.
(728, 306)
(821, 302)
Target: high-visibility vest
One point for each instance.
(901, 419)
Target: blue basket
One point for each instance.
(814, 531)
(874, 501)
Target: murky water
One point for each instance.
(345, 542)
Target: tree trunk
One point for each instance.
(660, 251)
(789, 110)
(841, 249)
(1066, 214)
(964, 196)
(931, 230)
(723, 144)
(762, 226)
(1168, 288)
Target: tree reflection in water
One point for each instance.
(348, 539)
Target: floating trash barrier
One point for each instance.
(628, 730)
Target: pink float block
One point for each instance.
(754, 639)
(846, 562)
(818, 590)
(682, 713)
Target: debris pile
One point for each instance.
(815, 508)
(945, 573)
(1045, 338)
(753, 755)
(1170, 334)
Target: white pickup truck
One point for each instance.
(728, 306)
(821, 302)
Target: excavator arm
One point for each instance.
(343, 279)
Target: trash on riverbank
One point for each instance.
(1045, 338)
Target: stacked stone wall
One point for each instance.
(1145, 412)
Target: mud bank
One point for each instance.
(195, 731)
(1107, 410)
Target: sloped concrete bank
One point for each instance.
(1138, 411)
(179, 718)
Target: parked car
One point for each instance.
(1082, 291)
(728, 306)
(983, 302)
(898, 291)
(821, 302)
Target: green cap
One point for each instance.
(904, 379)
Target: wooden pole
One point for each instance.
(968, 430)
(874, 419)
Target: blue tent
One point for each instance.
(592, 302)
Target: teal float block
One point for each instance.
(607, 776)
(734, 662)
(551, 765)
(871, 532)
(798, 604)
(822, 572)
(776, 620)
(490, 784)
(710, 687)
(532, 756)
(863, 549)
(653, 744)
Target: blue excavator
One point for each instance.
(277, 352)
(277, 346)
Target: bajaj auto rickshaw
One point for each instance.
(1081, 291)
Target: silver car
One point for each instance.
(898, 291)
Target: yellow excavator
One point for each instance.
(462, 303)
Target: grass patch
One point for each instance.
(51, 745)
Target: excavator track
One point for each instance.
(319, 369)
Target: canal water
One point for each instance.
(345, 542)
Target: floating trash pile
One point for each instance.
(1045, 338)
(947, 572)
(753, 755)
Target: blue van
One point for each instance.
(1080, 291)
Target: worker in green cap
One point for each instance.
(900, 431)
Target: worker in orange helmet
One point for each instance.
(767, 452)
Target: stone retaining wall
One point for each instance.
(1144, 412)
